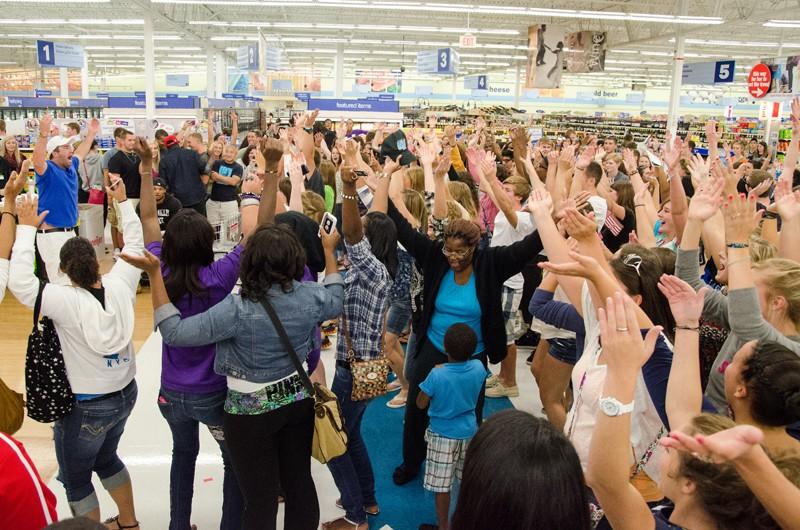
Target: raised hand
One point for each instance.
(489, 167)
(741, 218)
(624, 350)
(117, 188)
(311, 118)
(45, 123)
(540, 203)
(629, 160)
(445, 161)
(580, 266)
(16, 181)
(567, 158)
(234, 117)
(720, 447)
(587, 156)
(711, 132)
(329, 241)
(272, 150)
(707, 199)
(27, 212)
(142, 149)
(686, 304)
(148, 263)
(351, 153)
(672, 152)
(390, 166)
(787, 202)
(579, 226)
(94, 127)
(699, 169)
(425, 153)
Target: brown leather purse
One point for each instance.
(369, 376)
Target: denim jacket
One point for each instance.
(248, 346)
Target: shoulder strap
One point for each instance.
(38, 306)
(288, 345)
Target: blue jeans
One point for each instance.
(184, 412)
(352, 472)
(86, 441)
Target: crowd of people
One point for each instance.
(661, 289)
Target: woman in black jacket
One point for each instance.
(462, 284)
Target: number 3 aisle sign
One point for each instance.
(58, 54)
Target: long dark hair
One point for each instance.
(382, 236)
(772, 377)
(521, 473)
(642, 279)
(188, 246)
(273, 256)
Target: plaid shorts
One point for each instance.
(510, 301)
(445, 462)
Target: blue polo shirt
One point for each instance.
(58, 193)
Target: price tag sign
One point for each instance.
(759, 80)
(468, 41)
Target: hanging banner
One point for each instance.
(585, 52)
(785, 76)
(545, 56)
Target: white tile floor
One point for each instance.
(146, 450)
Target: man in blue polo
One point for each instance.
(56, 166)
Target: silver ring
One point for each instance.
(622, 329)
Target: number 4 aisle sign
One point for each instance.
(58, 54)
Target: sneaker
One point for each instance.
(501, 390)
(529, 360)
(393, 386)
(492, 380)
(530, 338)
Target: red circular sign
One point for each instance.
(759, 80)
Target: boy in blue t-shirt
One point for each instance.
(452, 392)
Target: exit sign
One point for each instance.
(468, 41)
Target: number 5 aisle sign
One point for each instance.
(58, 54)
(709, 73)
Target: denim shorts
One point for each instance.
(399, 315)
(563, 350)
(86, 442)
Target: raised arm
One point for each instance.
(8, 224)
(741, 445)
(787, 203)
(380, 200)
(790, 160)
(39, 156)
(352, 228)
(684, 389)
(86, 144)
(147, 201)
(498, 194)
(608, 472)
(22, 280)
(304, 139)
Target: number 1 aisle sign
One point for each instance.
(58, 54)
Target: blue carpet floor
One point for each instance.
(402, 507)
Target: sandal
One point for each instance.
(397, 402)
(343, 523)
(115, 520)
(394, 385)
(371, 510)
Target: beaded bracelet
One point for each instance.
(250, 196)
(350, 197)
(738, 245)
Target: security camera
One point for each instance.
(402, 69)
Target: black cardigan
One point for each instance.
(491, 267)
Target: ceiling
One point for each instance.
(387, 34)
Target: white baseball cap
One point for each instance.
(55, 142)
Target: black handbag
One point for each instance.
(49, 396)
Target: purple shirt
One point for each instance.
(191, 369)
(313, 356)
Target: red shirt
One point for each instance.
(26, 503)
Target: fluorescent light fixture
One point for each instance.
(782, 24)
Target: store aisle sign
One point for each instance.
(272, 59)
(712, 73)
(247, 57)
(302, 96)
(759, 80)
(770, 110)
(181, 80)
(353, 105)
(468, 41)
(51, 54)
(443, 61)
(476, 82)
(41, 92)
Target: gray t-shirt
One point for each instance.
(107, 156)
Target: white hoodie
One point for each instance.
(96, 342)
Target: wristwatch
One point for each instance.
(612, 407)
